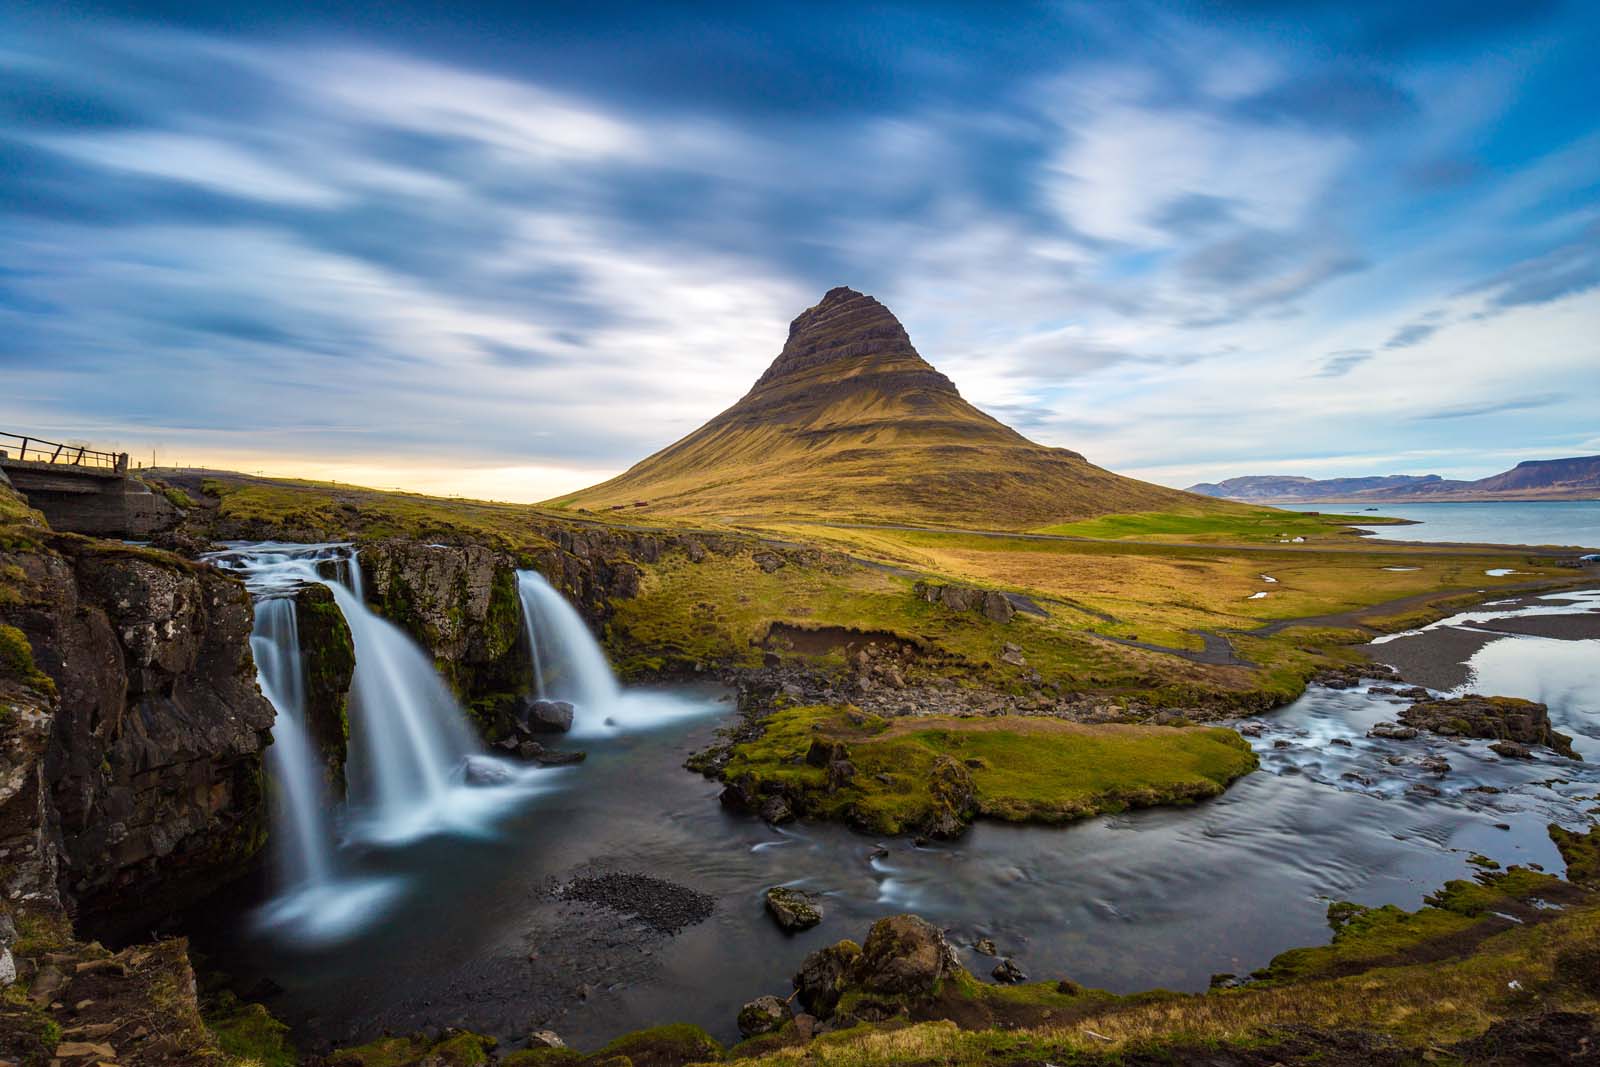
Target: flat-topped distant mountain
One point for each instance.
(850, 423)
(1577, 478)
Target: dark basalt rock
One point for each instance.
(824, 976)
(1500, 718)
(152, 778)
(776, 810)
(1008, 972)
(545, 716)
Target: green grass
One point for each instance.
(1021, 769)
(1243, 526)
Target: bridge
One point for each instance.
(82, 490)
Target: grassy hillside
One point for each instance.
(850, 423)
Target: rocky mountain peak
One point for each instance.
(845, 334)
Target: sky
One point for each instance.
(505, 250)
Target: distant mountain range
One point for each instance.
(850, 423)
(1535, 479)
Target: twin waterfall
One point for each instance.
(415, 766)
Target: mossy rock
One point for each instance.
(250, 1034)
(663, 1046)
(457, 1049)
(1581, 852)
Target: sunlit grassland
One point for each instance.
(1245, 525)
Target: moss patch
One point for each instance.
(16, 661)
(451, 1049)
(249, 1034)
(907, 774)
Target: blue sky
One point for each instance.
(504, 252)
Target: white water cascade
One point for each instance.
(568, 664)
(317, 899)
(304, 849)
(414, 765)
(567, 661)
(411, 755)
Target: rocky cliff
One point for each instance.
(134, 737)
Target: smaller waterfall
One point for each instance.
(304, 851)
(410, 742)
(568, 662)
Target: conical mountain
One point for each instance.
(850, 423)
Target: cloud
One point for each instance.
(1413, 333)
(1570, 268)
(1472, 411)
(561, 248)
(1337, 100)
(1338, 364)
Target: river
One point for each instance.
(480, 934)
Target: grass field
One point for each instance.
(1242, 526)
(1021, 769)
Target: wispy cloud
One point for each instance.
(558, 249)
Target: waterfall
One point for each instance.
(410, 742)
(568, 662)
(304, 849)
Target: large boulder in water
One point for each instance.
(486, 770)
(792, 909)
(1497, 718)
(539, 716)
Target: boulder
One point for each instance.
(1511, 750)
(545, 1039)
(954, 798)
(485, 770)
(763, 1015)
(539, 716)
(776, 810)
(998, 607)
(823, 976)
(1392, 731)
(1012, 654)
(1498, 718)
(904, 956)
(1434, 764)
(793, 909)
(1008, 972)
(547, 758)
(840, 772)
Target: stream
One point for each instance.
(481, 933)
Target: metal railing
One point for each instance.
(34, 450)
